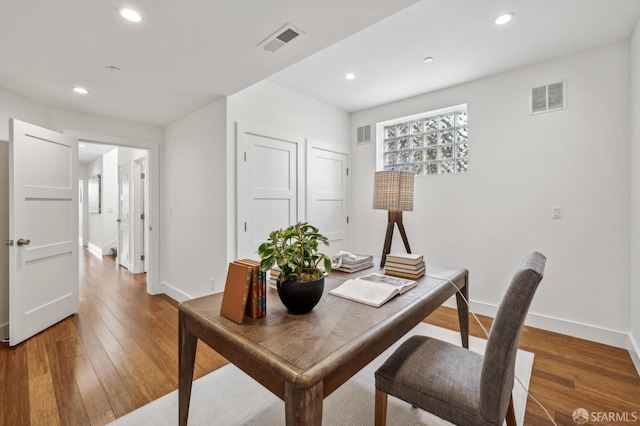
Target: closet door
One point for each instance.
(268, 187)
(327, 174)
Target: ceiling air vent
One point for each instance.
(364, 134)
(283, 36)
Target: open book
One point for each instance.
(373, 289)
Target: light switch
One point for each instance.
(556, 212)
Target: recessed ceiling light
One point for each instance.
(81, 145)
(80, 90)
(112, 69)
(350, 76)
(503, 19)
(130, 15)
(428, 60)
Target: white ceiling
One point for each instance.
(87, 152)
(185, 54)
(461, 36)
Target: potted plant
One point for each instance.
(295, 251)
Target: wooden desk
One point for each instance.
(303, 358)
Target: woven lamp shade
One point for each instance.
(393, 190)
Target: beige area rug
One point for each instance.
(230, 397)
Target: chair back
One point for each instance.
(496, 381)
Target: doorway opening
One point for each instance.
(125, 224)
(117, 227)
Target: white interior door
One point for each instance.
(124, 243)
(327, 173)
(267, 185)
(140, 194)
(43, 225)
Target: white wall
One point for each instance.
(269, 105)
(193, 204)
(15, 106)
(94, 220)
(102, 229)
(635, 197)
(520, 166)
(198, 195)
(77, 121)
(129, 155)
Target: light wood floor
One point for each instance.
(121, 352)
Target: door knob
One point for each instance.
(22, 242)
(118, 220)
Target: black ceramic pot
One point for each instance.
(300, 297)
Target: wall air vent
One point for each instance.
(548, 97)
(364, 134)
(284, 35)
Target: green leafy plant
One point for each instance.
(295, 251)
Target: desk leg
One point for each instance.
(463, 312)
(303, 407)
(186, 359)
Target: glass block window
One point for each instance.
(427, 144)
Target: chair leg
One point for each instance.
(511, 414)
(381, 408)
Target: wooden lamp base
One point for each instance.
(395, 218)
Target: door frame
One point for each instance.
(153, 172)
(243, 128)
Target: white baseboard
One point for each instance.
(606, 336)
(175, 293)
(557, 325)
(101, 251)
(4, 331)
(634, 351)
(94, 249)
(106, 249)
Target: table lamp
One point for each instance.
(393, 191)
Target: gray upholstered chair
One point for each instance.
(456, 384)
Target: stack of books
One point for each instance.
(404, 265)
(236, 292)
(274, 276)
(245, 291)
(354, 263)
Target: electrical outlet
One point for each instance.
(213, 284)
(556, 212)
